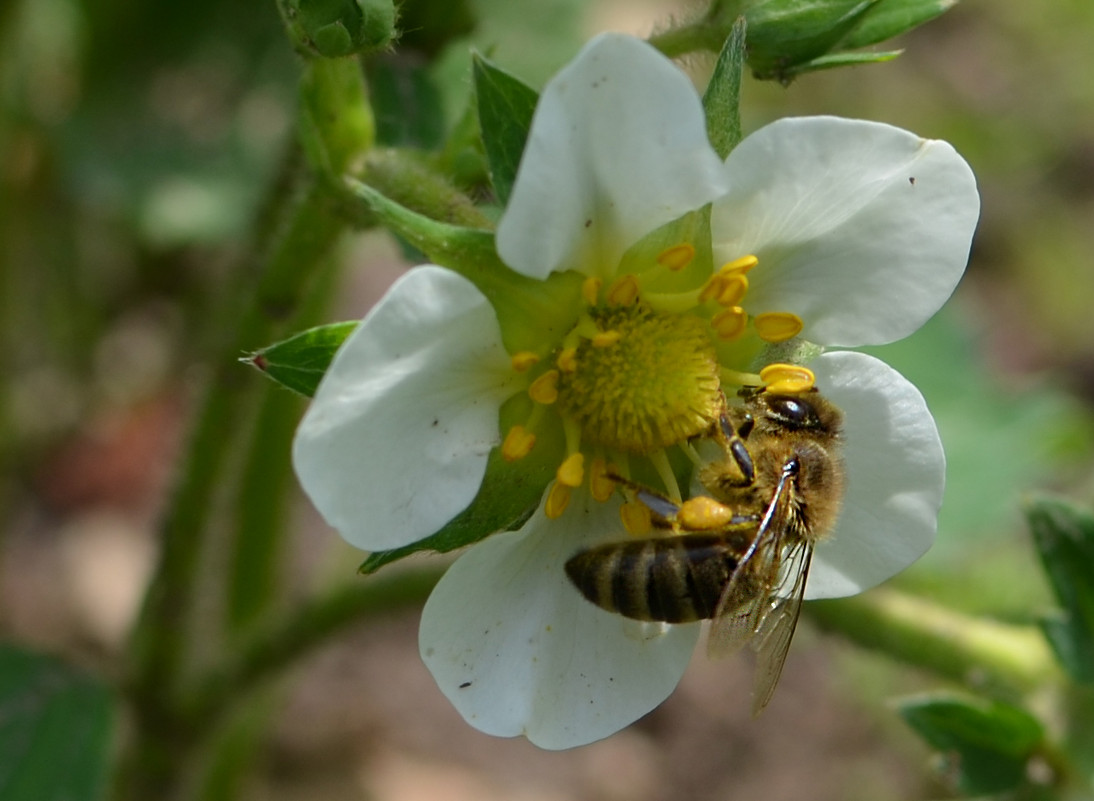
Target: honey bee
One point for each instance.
(741, 556)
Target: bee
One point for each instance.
(741, 555)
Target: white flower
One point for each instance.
(631, 362)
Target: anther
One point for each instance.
(713, 288)
(522, 361)
(739, 266)
(601, 484)
(787, 379)
(624, 292)
(545, 388)
(590, 291)
(702, 513)
(733, 291)
(518, 443)
(636, 518)
(730, 324)
(558, 498)
(567, 360)
(677, 257)
(572, 470)
(777, 326)
(605, 339)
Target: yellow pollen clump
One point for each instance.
(656, 386)
(558, 498)
(590, 291)
(777, 326)
(545, 388)
(601, 485)
(605, 339)
(702, 513)
(787, 379)
(636, 518)
(730, 324)
(677, 257)
(572, 470)
(523, 360)
(567, 360)
(518, 443)
(624, 292)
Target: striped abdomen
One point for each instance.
(672, 579)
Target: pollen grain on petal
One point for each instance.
(777, 326)
(677, 257)
(545, 388)
(523, 361)
(558, 498)
(518, 443)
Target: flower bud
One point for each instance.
(335, 28)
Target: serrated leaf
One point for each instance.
(509, 493)
(300, 361)
(722, 99)
(55, 730)
(891, 18)
(1064, 536)
(986, 743)
(785, 33)
(506, 105)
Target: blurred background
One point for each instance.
(136, 142)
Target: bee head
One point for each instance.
(807, 412)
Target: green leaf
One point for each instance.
(300, 361)
(986, 744)
(506, 105)
(406, 102)
(785, 33)
(722, 99)
(843, 60)
(55, 730)
(509, 493)
(889, 18)
(1064, 536)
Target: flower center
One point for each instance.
(645, 381)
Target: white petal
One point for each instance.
(618, 147)
(518, 651)
(896, 473)
(395, 441)
(862, 229)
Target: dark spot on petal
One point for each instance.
(588, 222)
(435, 422)
(911, 180)
(465, 685)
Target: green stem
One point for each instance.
(1002, 659)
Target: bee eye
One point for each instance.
(792, 411)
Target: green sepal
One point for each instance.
(300, 361)
(508, 495)
(1064, 536)
(842, 60)
(336, 28)
(985, 744)
(528, 310)
(783, 34)
(722, 98)
(55, 730)
(889, 18)
(506, 105)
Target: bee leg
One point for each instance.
(734, 434)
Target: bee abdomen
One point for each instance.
(674, 579)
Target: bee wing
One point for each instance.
(776, 630)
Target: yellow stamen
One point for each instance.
(523, 360)
(624, 292)
(545, 388)
(713, 288)
(703, 514)
(601, 484)
(777, 326)
(590, 291)
(636, 518)
(558, 498)
(733, 291)
(572, 470)
(739, 266)
(787, 378)
(739, 379)
(605, 339)
(518, 443)
(660, 461)
(730, 324)
(677, 257)
(567, 360)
